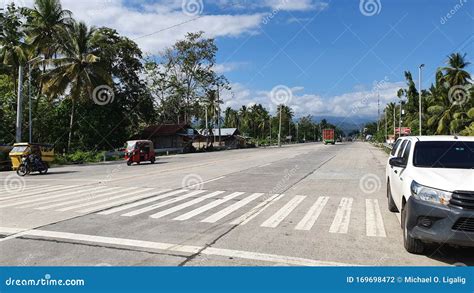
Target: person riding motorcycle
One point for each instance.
(32, 162)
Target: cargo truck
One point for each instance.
(329, 136)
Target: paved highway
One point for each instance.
(301, 205)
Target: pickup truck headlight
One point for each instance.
(425, 193)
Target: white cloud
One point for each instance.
(148, 24)
(228, 67)
(361, 104)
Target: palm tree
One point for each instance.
(12, 48)
(454, 72)
(78, 71)
(47, 22)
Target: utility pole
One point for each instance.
(270, 127)
(279, 130)
(289, 129)
(400, 121)
(19, 107)
(386, 127)
(419, 98)
(219, 113)
(30, 126)
(297, 132)
(394, 121)
(378, 112)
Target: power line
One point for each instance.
(184, 22)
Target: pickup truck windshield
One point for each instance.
(444, 154)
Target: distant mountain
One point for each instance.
(346, 124)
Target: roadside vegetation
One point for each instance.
(447, 105)
(69, 60)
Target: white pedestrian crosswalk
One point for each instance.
(305, 213)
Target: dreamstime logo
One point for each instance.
(459, 94)
(103, 95)
(370, 183)
(192, 181)
(453, 11)
(14, 184)
(192, 7)
(18, 3)
(281, 95)
(370, 7)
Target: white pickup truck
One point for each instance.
(430, 180)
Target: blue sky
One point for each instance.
(333, 56)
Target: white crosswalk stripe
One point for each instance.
(279, 216)
(42, 198)
(185, 205)
(122, 195)
(80, 198)
(120, 202)
(373, 220)
(141, 202)
(39, 190)
(230, 209)
(343, 217)
(313, 214)
(207, 207)
(162, 204)
(257, 210)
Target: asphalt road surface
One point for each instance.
(300, 205)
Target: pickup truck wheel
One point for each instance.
(391, 204)
(411, 244)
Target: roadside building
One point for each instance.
(170, 137)
(230, 138)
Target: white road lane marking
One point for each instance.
(44, 198)
(257, 210)
(142, 202)
(279, 216)
(90, 203)
(88, 195)
(202, 183)
(28, 191)
(120, 202)
(373, 219)
(121, 242)
(40, 191)
(185, 205)
(313, 214)
(207, 207)
(81, 197)
(265, 165)
(232, 208)
(162, 204)
(343, 217)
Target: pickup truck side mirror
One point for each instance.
(397, 162)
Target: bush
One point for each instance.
(81, 157)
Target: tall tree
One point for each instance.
(78, 71)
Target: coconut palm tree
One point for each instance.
(12, 48)
(78, 71)
(47, 22)
(454, 72)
